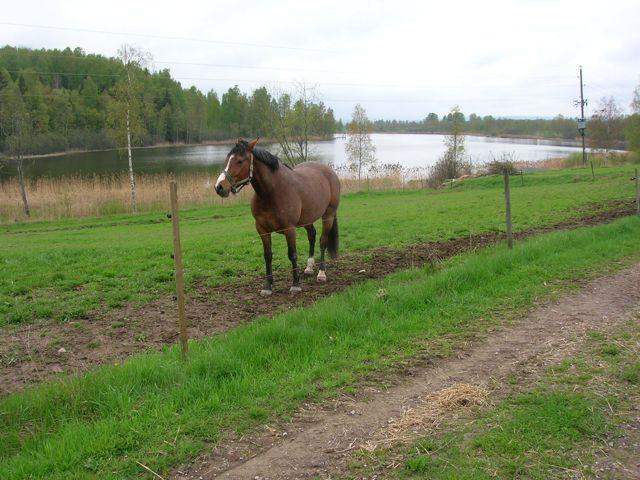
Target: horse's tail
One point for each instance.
(332, 241)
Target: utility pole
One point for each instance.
(582, 123)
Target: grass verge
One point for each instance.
(100, 424)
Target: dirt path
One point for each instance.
(34, 353)
(316, 444)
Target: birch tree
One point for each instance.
(359, 147)
(453, 163)
(16, 128)
(127, 107)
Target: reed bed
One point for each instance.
(76, 196)
(95, 196)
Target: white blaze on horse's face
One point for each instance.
(221, 189)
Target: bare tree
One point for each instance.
(606, 125)
(297, 117)
(633, 124)
(635, 103)
(128, 106)
(359, 147)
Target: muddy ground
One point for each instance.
(33, 353)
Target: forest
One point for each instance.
(73, 101)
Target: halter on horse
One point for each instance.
(284, 199)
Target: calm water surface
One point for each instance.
(407, 150)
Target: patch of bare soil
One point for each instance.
(318, 442)
(34, 353)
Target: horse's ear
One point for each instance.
(253, 144)
(239, 141)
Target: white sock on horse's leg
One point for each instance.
(311, 263)
(322, 276)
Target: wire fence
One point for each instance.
(501, 225)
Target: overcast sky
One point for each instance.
(398, 59)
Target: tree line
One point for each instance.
(558, 127)
(73, 101)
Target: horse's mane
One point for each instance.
(268, 158)
(260, 154)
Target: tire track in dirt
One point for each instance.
(33, 353)
(316, 444)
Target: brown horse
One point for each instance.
(284, 199)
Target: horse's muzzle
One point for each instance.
(220, 190)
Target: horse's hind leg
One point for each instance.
(311, 234)
(290, 234)
(327, 223)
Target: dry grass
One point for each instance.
(53, 198)
(426, 416)
(64, 197)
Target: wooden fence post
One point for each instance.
(593, 173)
(177, 258)
(507, 198)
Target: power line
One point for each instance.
(340, 100)
(196, 64)
(217, 79)
(72, 74)
(166, 37)
(178, 77)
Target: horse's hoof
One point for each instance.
(265, 293)
(322, 277)
(295, 289)
(310, 264)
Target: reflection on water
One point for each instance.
(407, 150)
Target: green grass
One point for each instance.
(526, 436)
(99, 424)
(64, 269)
(550, 430)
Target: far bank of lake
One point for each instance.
(409, 150)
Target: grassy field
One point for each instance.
(101, 424)
(63, 269)
(553, 430)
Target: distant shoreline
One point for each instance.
(229, 141)
(554, 140)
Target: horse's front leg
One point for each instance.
(267, 287)
(290, 234)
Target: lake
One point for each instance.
(409, 150)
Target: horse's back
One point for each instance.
(311, 171)
(314, 174)
(318, 186)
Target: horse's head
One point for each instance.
(239, 169)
